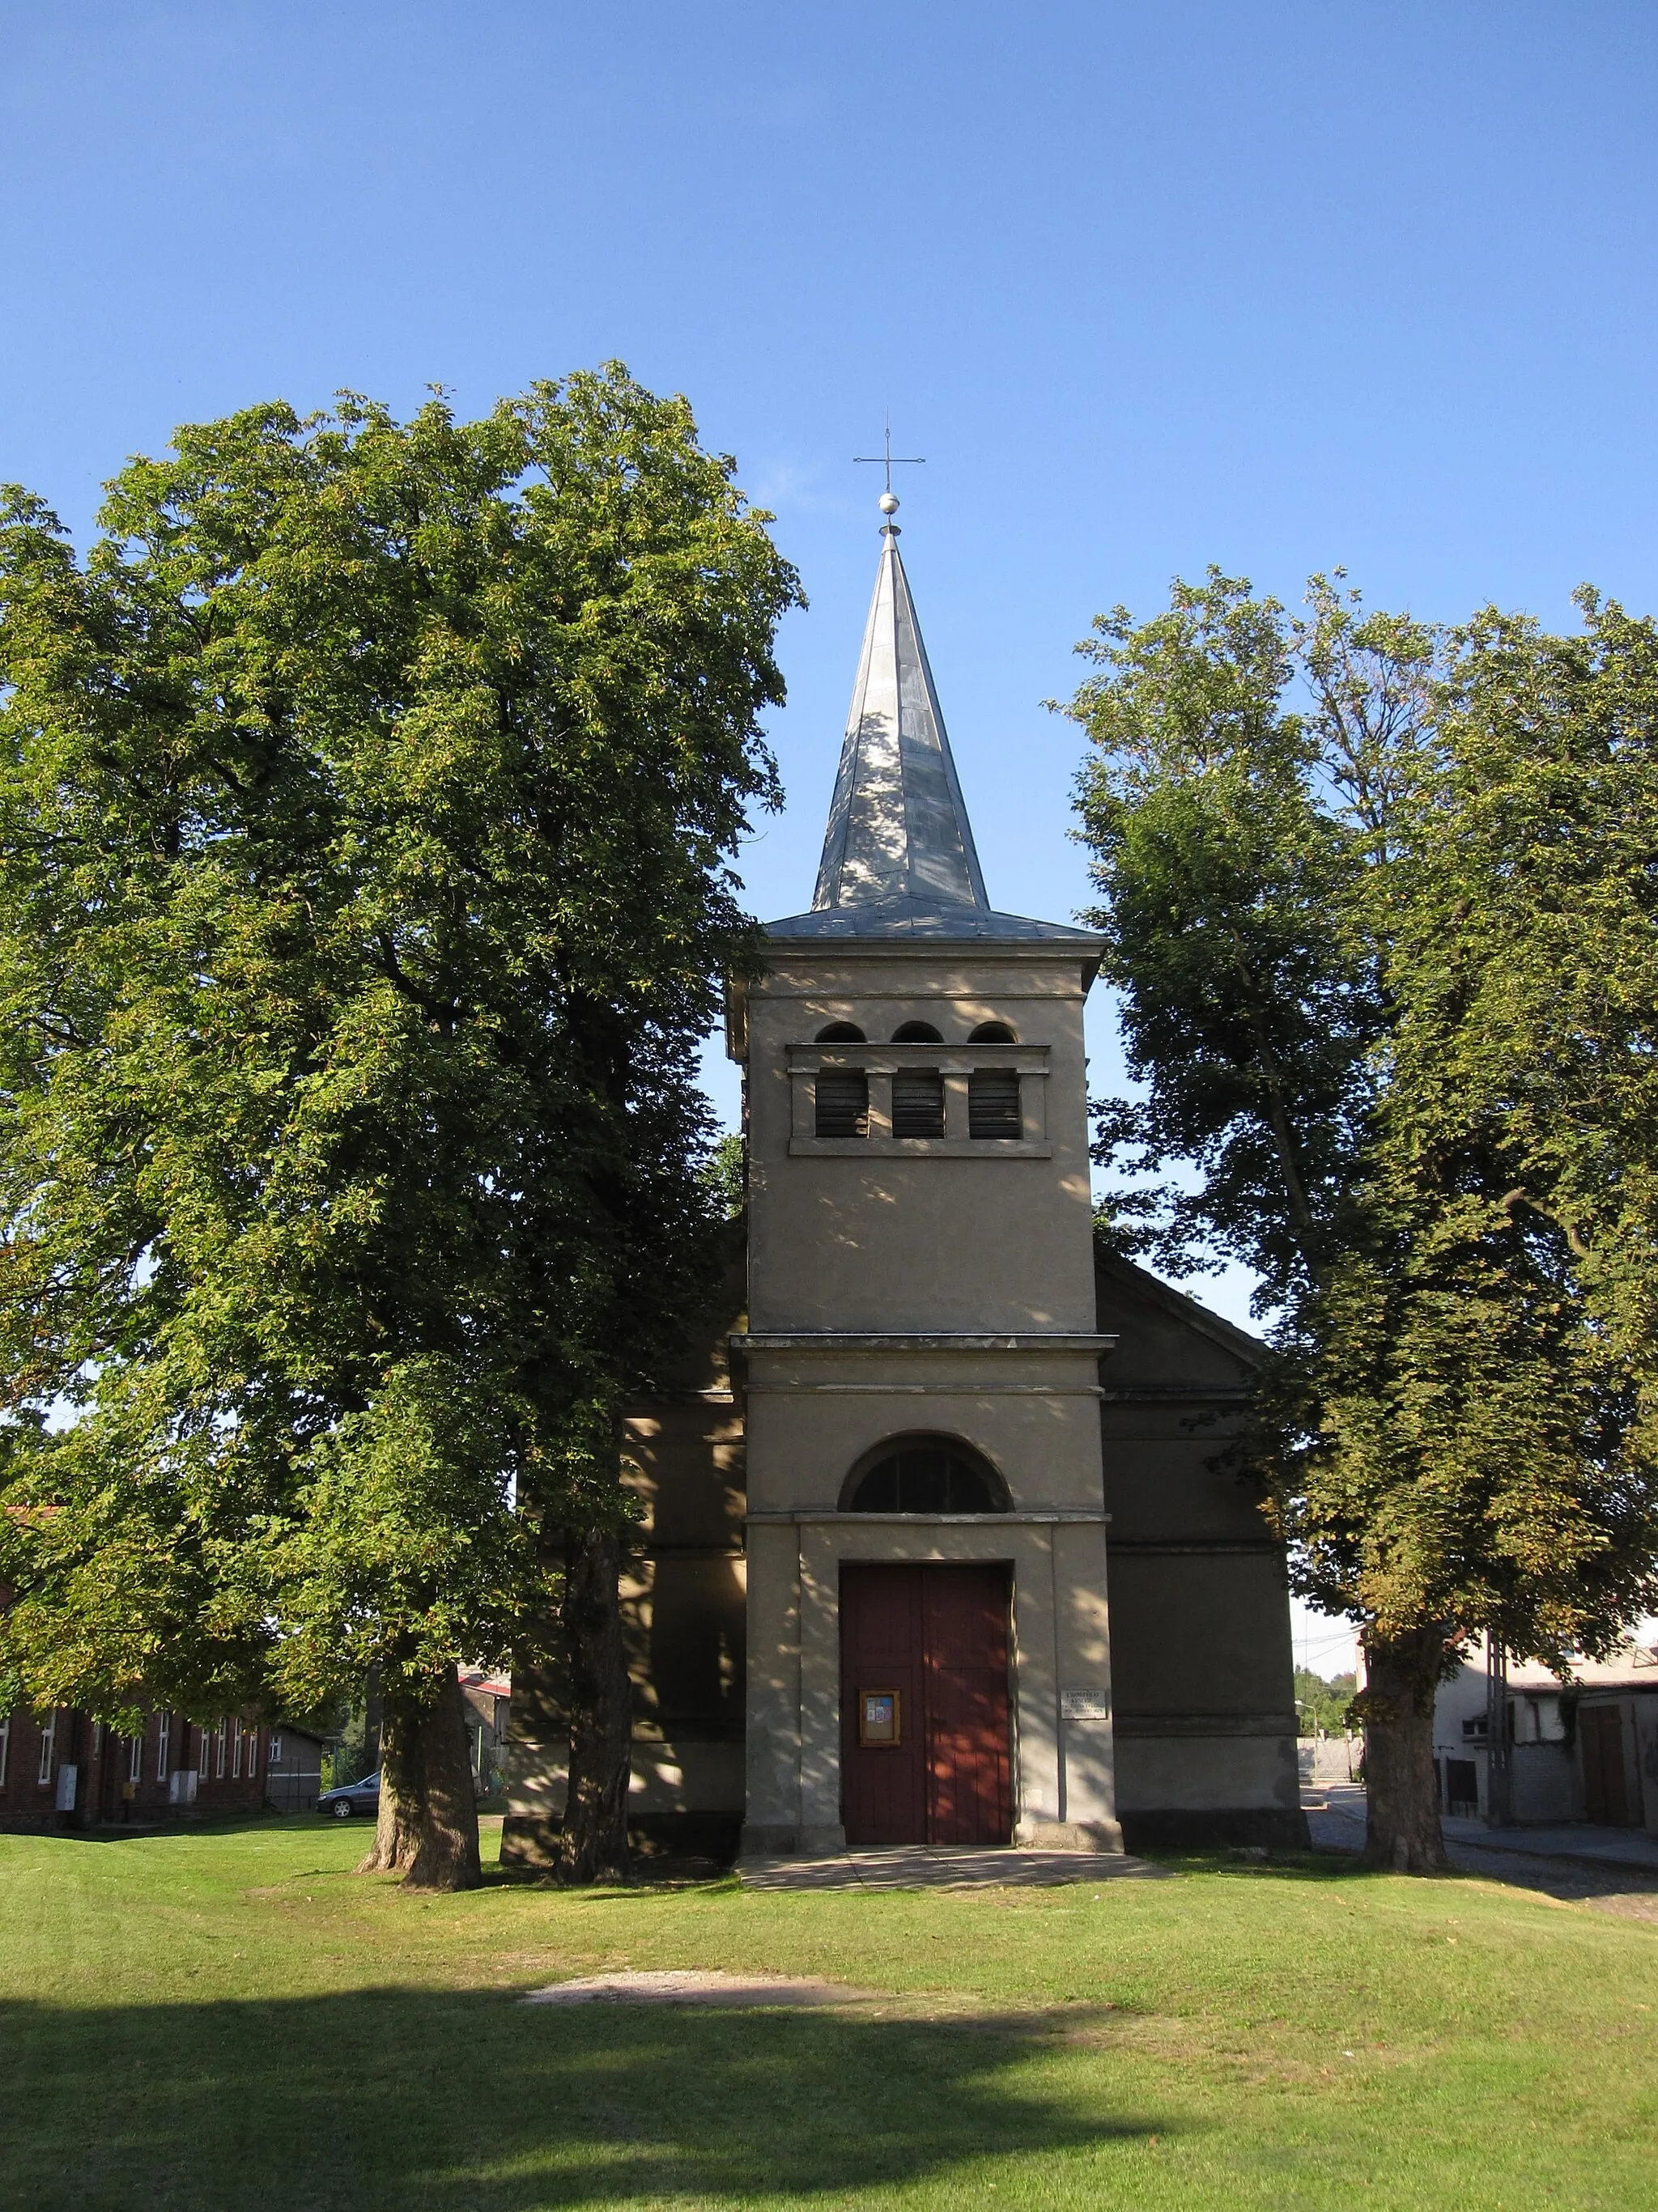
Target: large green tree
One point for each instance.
(1380, 902)
(367, 801)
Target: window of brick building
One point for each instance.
(5, 1748)
(48, 1746)
(253, 1752)
(135, 1759)
(235, 1752)
(219, 1735)
(201, 1757)
(163, 1743)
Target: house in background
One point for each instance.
(65, 1770)
(293, 1768)
(1583, 1750)
(488, 1700)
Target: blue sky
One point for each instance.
(1277, 287)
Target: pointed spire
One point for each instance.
(898, 857)
(898, 829)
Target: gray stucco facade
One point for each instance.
(918, 1263)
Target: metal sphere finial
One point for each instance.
(889, 502)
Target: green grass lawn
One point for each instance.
(228, 2018)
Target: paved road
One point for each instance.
(1616, 1867)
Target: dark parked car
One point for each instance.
(352, 1797)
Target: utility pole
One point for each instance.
(1498, 1801)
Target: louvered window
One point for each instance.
(918, 1104)
(843, 1105)
(993, 1103)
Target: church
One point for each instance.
(933, 1546)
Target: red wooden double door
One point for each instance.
(925, 1751)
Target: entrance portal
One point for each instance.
(925, 1755)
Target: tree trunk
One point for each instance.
(428, 1829)
(1303, 1227)
(1401, 1677)
(594, 1844)
(371, 1718)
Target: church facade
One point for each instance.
(933, 1546)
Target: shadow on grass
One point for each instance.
(664, 1872)
(1564, 1880)
(1315, 1866)
(415, 2099)
(209, 1824)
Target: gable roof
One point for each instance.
(1150, 1290)
(1632, 1666)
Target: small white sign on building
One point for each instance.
(67, 1779)
(1084, 1706)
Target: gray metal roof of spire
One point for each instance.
(898, 856)
(896, 826)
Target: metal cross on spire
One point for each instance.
(889, 460)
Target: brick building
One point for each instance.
(64, 1770)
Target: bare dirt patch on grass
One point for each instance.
(696, 1986)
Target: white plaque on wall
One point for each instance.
(1084, 1706)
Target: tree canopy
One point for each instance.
(1379, 899)
(366, 804)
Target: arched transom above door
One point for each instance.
(924, 1473)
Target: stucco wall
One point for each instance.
(684, 1616)
(1203, 1663)
(1172, 1612)
(909, 1239)
(917, 1247)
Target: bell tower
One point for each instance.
(928, 1645)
